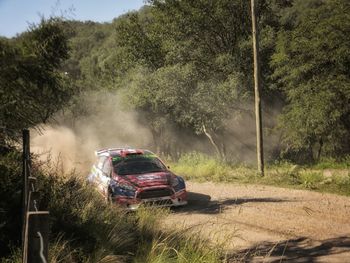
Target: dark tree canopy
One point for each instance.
(312, 63)
(187, 65)
(32, 86)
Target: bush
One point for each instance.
(10, 202)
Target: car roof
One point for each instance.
(122, 152)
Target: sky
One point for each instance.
(15, 15)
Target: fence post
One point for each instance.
(35, 228)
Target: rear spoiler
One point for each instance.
(99, 152)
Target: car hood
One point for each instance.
(151, 179)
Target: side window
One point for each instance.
(107, 167)
(100, 162)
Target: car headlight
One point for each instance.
(127, 187)
(174, 181)
(121, 188)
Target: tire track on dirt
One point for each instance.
(262, 223)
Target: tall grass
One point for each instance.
(100, 232)
(326, 176)
(200, 167)
(86, 229)
(173, 245)
(332, 163)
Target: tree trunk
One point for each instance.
(211, 140)
(319, 150)
(156, 136)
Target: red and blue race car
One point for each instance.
(131, 177)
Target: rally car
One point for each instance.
(131, 177)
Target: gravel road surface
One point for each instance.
(258, 223)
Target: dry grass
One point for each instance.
(86, 229)
(327, 176)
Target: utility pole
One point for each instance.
(258, 122)
(25, 190)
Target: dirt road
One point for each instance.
(268, 224)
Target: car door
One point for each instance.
(99, 173)
(105, 177)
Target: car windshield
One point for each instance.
(138, 165)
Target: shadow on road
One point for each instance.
(201, 203)
(298, 250)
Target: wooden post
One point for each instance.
(258, 121)
(35, 229)
(25, 189)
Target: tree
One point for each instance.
(32, 87)
(191, 50)
(136, 33)
(176, 95)
(311, 64)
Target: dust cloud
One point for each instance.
(105, 124)
(240, 135)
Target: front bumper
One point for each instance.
(177, 199)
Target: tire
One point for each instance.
(108, 197)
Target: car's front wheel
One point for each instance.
(108, 197)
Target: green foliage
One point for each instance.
(135, 33)
(311, 64)
(15, 257)
(332, 163)
(186, 53)
(83, 65)
(187, 66)
(196, 166)
(89, 223)
(32, 87)
(184, 66)
(10, 201)
(165, 93)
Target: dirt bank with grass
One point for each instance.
(254, 222)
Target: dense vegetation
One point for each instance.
(186, 67)
(32, 84)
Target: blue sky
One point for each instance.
(16, 14)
